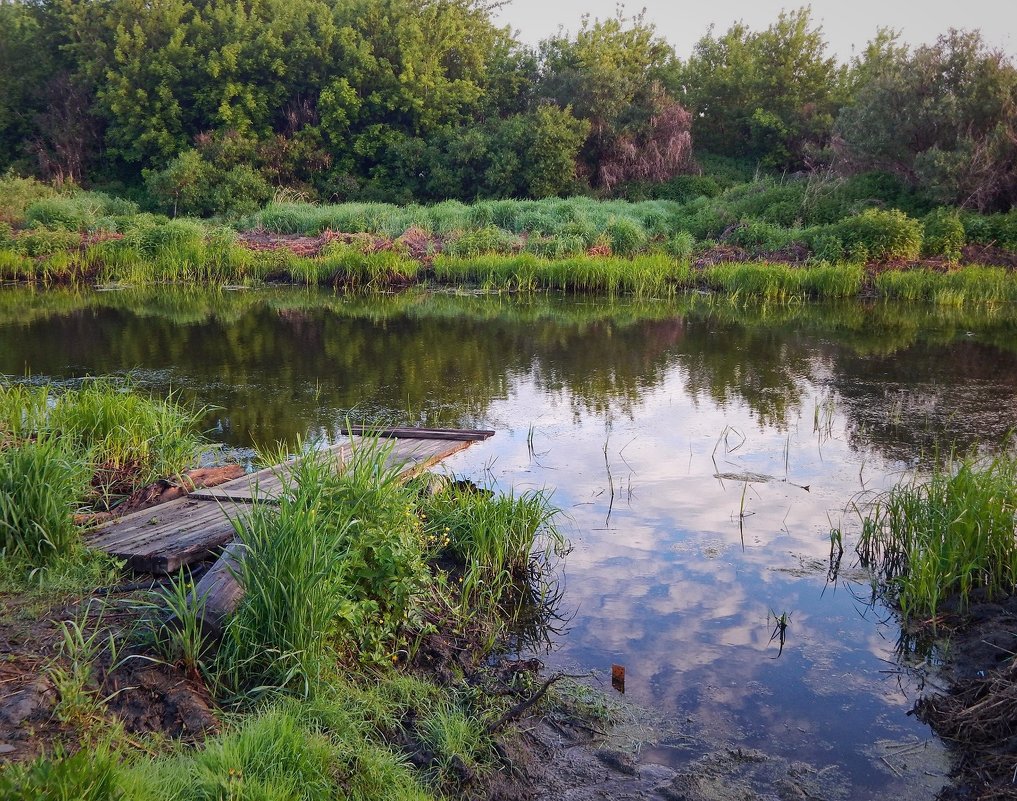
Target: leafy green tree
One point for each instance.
(943, 116)
(767, 95)
(612, 75)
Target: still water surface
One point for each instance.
(701, 450)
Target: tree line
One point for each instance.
(213, 106)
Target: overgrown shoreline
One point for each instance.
(728, 244)
(944, 550)
(365, 660)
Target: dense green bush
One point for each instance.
(881, 235)
(627, 236)
(684, 188)
(943, 234)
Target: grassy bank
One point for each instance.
(70, 450)
(769, 239)
(354, 667)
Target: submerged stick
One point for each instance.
(517, 710)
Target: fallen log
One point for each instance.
(218, 593)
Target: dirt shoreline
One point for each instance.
(977, 716)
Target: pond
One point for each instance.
(702, 450)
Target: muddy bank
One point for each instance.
(977, 716)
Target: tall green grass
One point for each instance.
(946, 536)
(785, 281)
(953, 288)
(329, 573)
(642, 275)
(42, 482)
(503, 546)
(62, 449)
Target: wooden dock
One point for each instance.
(166, 537)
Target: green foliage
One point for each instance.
(489, 239)
(942, 113)
(769, 95)
(947, 535)
(786, 282)
(86, 775)
(41, 484)
(642, 274)
(943, 234)
(45, 241)
(970, 284)
(683, 188)
(332, 570)
(881, 235)
(80, 211)
(627, 236)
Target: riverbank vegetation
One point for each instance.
(355, 665)
(948, 537)
(728, 243)
(203, 109)
(370, 160)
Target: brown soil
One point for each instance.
(977, 716)
(144, 696)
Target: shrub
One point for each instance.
(17, 194)
(627, 236)
(761, 237)
(881, 235)
(826, 246)
(683, 188)
(943, 234)
(681, 246)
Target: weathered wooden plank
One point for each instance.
(142, 539)
(472, 435)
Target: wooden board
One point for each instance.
(409, 455)
(166, 537)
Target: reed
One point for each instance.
(970, 284)
(946, 536)
(785, 281)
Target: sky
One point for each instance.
(846, 24)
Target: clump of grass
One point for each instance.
(129, 439)
(503, 546)
(329, 573)
(352, 266)
(785, 281)
(458, 740)
(41, 484)
(645, 274)
(946, 536)
(968, 285)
